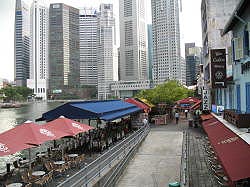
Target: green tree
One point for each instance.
(168, 92)
(15, 93)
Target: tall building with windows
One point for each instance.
(39, 50)
(88, 46)
(166, 40)
(64, 56)
(193, 61)
(133, 40)
(106, 49)
(150, 51)
(214, 15)
(22, 43)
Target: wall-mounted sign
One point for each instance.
(218, 68)
(206, 100)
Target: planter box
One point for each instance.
(236, 118)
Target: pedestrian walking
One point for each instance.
(176, 117)
(186, 113)
(145, 121)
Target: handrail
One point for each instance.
(87, 175)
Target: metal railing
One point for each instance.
(90, 174)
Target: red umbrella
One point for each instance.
(68, 126)
(25, 136)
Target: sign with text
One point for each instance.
(206, 100)
(218, 68)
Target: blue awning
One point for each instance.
(112, 109)
(119, 114)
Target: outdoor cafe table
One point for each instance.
(60, 162)
(73, 155)
(17, 184)
(38, 173)
(24, 161)
(41, 154)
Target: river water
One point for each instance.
(9, 118)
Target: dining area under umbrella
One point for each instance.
(67, 126)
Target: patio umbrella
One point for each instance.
(25, 136)
(68, 126)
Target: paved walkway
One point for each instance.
(158, 160)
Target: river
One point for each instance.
(11, 117)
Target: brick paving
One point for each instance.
(198, 169)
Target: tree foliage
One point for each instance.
(18, 93)
(168, 92)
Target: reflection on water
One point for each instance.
(14, 116)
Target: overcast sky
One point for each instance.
(190, 26)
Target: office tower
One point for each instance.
(39, 50)
(183, 71)
(64, 56)
(133, 40)
(21, 38)
(107, 51)
(88, 46)
(193, 61)
(166, 40)
(150, 51)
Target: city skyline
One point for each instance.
(7, 12)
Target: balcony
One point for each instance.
(236, 118)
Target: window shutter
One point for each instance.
(246, 43)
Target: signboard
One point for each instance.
(206, 100)
(218, 68)
(56, 91)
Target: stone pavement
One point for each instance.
(158, 160)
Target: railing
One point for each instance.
(236, 118)
(90, 174)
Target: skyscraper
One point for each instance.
(166, 40)
(22, 44)
(64, 57)
(39, 50)
(150, 51)
(88, 46)
(107, 51)
(193, 61)
(133, 40)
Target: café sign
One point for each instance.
(218, 68)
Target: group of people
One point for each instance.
(186, 112)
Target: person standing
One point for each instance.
(177, 117)
(186, 113)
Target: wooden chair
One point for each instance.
(41, 181)
(28, 185)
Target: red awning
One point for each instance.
(188, 100)
(233, 152)
(196, 106)
(67, 126)
(206, 117)
(25, 136)
(138, 104)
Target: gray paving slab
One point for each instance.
(157, 161)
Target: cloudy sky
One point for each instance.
(189, 20)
